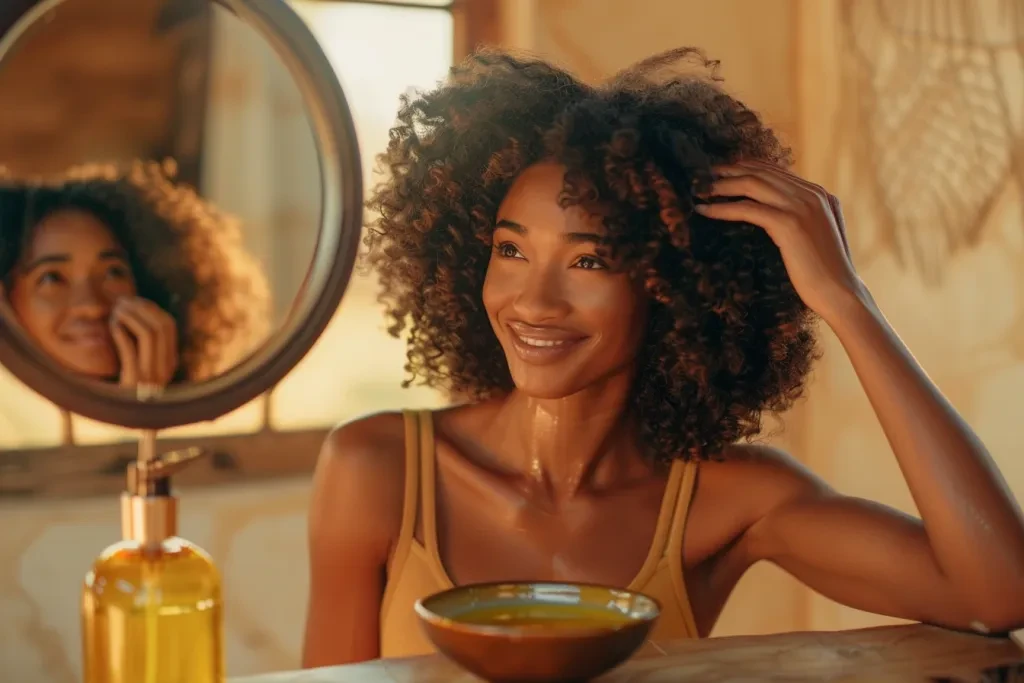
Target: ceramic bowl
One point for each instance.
(534, 632)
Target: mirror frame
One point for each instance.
(319, 296)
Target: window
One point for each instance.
(380, 49)
(379, 52)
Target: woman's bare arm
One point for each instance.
(355, 515)
(963, 565)
(857, 552)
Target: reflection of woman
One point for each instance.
(623, 279)
(128, 278)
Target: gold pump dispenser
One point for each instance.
(151, 604)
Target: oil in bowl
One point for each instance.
(545, 616)
(537, 632)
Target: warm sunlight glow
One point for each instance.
(379, 53)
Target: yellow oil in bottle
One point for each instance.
(152, 614)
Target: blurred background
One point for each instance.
(911, 111)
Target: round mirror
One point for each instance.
(179, 248)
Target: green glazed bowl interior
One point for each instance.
(553, 632)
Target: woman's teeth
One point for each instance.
(542, 342)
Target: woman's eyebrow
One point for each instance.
(58, 258)
(511, 225)
(113, 254)
(578, 237)
(46, 259)
(571, 237)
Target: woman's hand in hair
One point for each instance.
(803, 220)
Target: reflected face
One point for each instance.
(65, 286)
(565, 319)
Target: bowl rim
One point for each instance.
(435, 619)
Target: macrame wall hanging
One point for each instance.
(933, 102)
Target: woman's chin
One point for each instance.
(98, 372)
(548, 384)
(547, 389)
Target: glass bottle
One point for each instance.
(151, 604)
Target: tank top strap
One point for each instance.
(428, 482)
(428, 498)
(677, 532)
(410, 504)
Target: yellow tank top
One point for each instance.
(416, 570)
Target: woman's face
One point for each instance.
(65, 286)
(565, 320)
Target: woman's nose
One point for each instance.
(89, 300)
(541, 297)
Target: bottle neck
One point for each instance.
(148, 520)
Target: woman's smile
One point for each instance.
(87, 335)
(542, 345)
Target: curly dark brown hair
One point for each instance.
(187, 257)
(728, 337)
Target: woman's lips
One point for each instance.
(91, 338)
(543, 345)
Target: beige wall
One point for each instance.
(754, 40)
(966, 330)
(970, 337)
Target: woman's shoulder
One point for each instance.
(744, 486)
(763, 468)
(375, 444)
(370, 448)
(758, 479)
(360, 481)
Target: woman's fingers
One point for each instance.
(153, 337)
(735, 181)
(164, 339)
(126, 353)
(127, 316)
(819, 192)
(770, 218)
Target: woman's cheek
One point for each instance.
(500, 286)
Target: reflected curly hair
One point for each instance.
(728, 338)
(185, 255)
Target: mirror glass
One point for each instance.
(160, 198)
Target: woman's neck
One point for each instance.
(564, 446)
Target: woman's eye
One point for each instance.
(49, 277)
(590, 263)
(508, 250)
(119, 272)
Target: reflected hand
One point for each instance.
(803, 220)
(146, 338)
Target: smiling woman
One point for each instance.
(545, 266)
(74, 291)
(129, 278)
(622, 280)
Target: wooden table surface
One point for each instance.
(880, 655)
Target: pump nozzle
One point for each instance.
(148, 510)
(152, 477)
